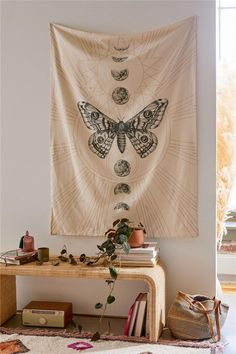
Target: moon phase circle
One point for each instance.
(122, 168)
(121, 49)
(120, 75)
(122, 188)
(122, 206)
(119, 59)
(120, 95)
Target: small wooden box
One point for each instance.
(47, 314)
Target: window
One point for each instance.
(226, 58)
(226, 48)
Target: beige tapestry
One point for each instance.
(123, 130)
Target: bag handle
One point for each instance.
(192, 302)
(217, 317)
(197, 305)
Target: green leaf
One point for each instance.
(96, 336)
(113, 272)
(116, 222)
(129, 232)
(110, 249)
(110, 299)
(100, 248)
(123, 238)
(126, 247)
(125, 230)
(98, 305)
(122, 225)
(72, 260)
(124, 220)
(82, 257)
(105, 244)
(110, 230)
(111, 234)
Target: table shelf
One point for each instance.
(154, 277)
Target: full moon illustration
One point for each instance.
(120, 95)
(122, 168)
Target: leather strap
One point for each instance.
(217, 317)
(198, 306)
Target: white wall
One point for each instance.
(25, 142)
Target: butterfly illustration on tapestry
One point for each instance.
(136, 129)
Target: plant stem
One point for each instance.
(105, 306)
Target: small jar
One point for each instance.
(28, 242)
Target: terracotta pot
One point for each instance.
(136, 239)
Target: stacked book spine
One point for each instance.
(144, 256)
(17, 257)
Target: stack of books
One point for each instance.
(144, 256)
(17, 257)
(137, 322)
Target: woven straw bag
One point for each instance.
(196, 317)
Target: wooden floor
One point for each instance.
(229, 329)
(115, 325)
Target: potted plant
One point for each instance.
(123, 235)
(136, 238)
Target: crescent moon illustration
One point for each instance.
(119, 59)
(121, 49)
(120, 75)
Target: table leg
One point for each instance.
(156, 305)
(7, 297)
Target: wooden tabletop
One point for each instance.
(79, 271)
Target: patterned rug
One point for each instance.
(62, 345)
(108, 344)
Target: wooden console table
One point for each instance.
(154, 277)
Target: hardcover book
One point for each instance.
(19, 258)
(134, 314)
(141, 314)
